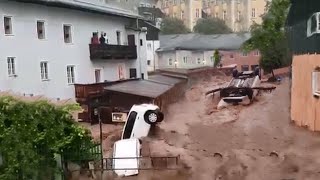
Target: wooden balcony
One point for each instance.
(84, 91)
(108, 51)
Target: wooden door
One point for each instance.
(131, 40)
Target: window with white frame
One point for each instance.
(256, 53)
(197, 13)
(239, 15)
(7, 22)
(313, 24)
(212, 59)
(67, 34)
(316, 82)
(170, 62)
(11, 62)
(41, 30)
(149, 46)
(182, 14)
(199, 61)
(71, 74)
(224, 15)
(253, 13)
(244, 54)
(185, 60)
(44, 70)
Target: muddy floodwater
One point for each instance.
(255, 142)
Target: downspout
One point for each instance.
(154, 57)
(139, 49)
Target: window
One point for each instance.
(231, 56)
(244, 68)
(253, 67)
(197, 13)
(256, 53)
(170, 62)
(70, 74)
(97, 74)
(199, 61)
(244, 54)
(253, 13)
(313, 25)
(44, 70)
(8, 25)
(212, 59)
(118, 37)
(239, 15)
(182, 14)
(148, 62)
(216, 15)
(67, 34)
(41, 30)
(185, 60)
(149, 46)
(11, 66)
(316, 82)
(224, 16)
(174, 2)
(141, 42)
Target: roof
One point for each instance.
(85, 6)
(164, 79)
(143, 88)
(192, 41)
(301, 10)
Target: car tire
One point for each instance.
(151, 117)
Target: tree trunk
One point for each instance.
(272, 73)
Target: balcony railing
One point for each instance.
(107, 51)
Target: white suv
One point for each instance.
(140, 119)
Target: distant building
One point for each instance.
(239, 15)
(304, 37)
(189, 51)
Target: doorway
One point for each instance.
(97, 74)
(118, 38)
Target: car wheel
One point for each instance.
(151, 117)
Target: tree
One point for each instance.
(31, 134)
(211, 26)
(173, 26)
(217, 58)
(270, 37)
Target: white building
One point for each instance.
(45, 46)
(152, 62)
(188, 51)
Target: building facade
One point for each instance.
(193, 51)
(239, 15)
(304, 34)
(47, 49)
(187, 10)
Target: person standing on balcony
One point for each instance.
(102, 39)
(95, 38)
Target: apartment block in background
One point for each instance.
(187, 10)
(239, 15)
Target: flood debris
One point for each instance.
(243, 87)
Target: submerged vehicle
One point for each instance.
(243, 87)
(140, 119)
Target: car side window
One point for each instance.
(129, 126)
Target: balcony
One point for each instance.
(108, 51)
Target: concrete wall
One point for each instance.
(304, 105)
(29, 51)
(197, 59)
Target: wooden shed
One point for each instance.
(120, 96)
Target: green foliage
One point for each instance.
(217, 58)
(173, 26)
(270, 37)
(30, 135)
(211, 26)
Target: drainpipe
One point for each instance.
(154, 57)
